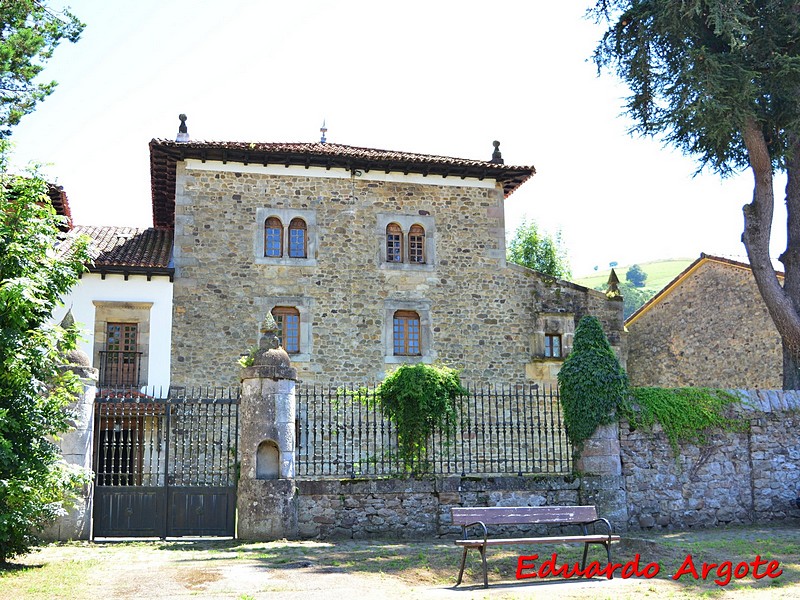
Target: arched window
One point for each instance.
(288, 320)
(273, 237)
(394, 243)
(406, 333)
(297, 238)
(416, 244)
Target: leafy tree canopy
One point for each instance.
(720, 80)
(30, 34)
(34, 484)
(636, 276)
(539, 251)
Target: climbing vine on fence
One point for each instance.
(685, 414)
(419, 399)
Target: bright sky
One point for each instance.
(435, 76)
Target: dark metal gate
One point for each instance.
(165, 467)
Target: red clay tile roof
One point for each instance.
(60, 202)
(127, 250)
(164, 155)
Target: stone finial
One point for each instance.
(323, 130)
(270, 360)
(497, 158)
(269, 334)
(183, 131)
(613, 285)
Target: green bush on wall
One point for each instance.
(685, 414)
(419, 399)
(592, 384)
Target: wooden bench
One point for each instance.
(581, 516)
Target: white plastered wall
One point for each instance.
(92, 288)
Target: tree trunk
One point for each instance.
(782, 302)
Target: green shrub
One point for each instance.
(419, 399)
(592, 384)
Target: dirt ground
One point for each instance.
(350, 570)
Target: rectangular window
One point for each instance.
(120, 361)
(288, 321)
(272, 241)
(394, 247)
(297, 243)
(552, 345)
(406, 333)
(416, 249)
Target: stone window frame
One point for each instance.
(303, 305)
(115, 311)
(286, 216)
(552, 324)
(423, 309)
(406, 223)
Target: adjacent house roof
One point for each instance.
(164, 155)
(60, 202)
(667, 289)
(127, 250)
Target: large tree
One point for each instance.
(34, 390)
(720, 80)
(30, 33)
(538, 250)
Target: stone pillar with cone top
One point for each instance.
(77, 445)
(266, 490)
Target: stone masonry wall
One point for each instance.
(420, 508)
(749, 477)
(712, 330)
(478, 314)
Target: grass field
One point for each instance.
(659, 273)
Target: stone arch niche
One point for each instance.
(268, 460)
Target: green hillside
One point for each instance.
(659, 274)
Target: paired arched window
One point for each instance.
(396, 244)
(297, 241)
(288, 320)
(406, 333)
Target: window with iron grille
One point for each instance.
(406, 333)
(297, 239)
(394, 243)
(273, 237)
(552, 345)
(288, 320)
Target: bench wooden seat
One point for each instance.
(585, 517)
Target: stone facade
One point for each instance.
(477, 313)
(749, 477)
(708, 328)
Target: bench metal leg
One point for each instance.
(585, 553)
(463, 562)
(485, 573)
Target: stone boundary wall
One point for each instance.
(420, 508)
(748, 477)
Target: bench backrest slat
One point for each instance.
(517, 515)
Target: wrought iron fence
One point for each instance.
(497, 430)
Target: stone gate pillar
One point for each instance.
(601, 457)
(76, 448)
(266, 491)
